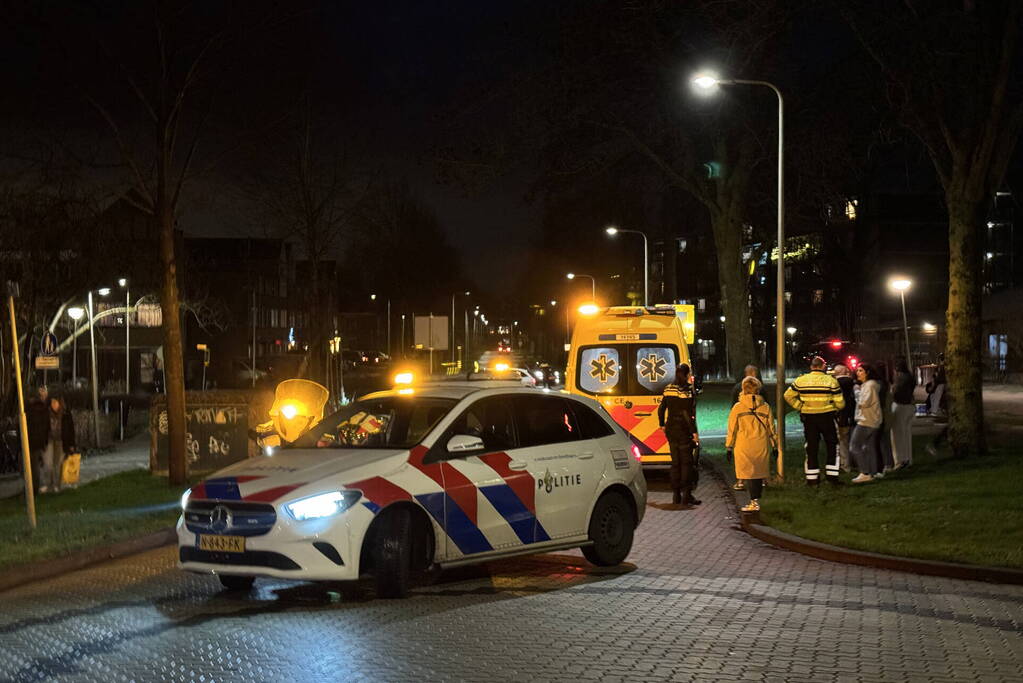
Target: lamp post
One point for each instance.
(901, 284)
(103, 291)
(453, 324)
(123, 282)
(708, 83)
(75, 313)
(612, 231)
(593, 283)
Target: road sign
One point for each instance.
(47, 362)
(48, 345)
(431, 332)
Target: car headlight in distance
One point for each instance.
(184, 498)
(322, 504)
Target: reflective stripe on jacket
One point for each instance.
(814, 393)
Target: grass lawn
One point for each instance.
(938, 509)
(715, 402)
(102, 512)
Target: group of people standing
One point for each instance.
(865, 422)
(51, 438)
(875, 426)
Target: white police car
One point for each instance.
(405, 480)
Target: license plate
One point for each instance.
(222, 544)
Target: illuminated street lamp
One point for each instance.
(900, 285)
(76, 313)
(612, 231)
(593, 283)
(708, 83)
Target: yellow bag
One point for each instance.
(70, 470)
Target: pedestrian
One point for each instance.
(37, 418)
(937, 390)
(750, 440)
(863, 444)
(818, 398)
(60, 442)
(884, 435)
(748, 371)
(903, 410)
(677, 416)
(846, 416)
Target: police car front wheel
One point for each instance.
(611, 529)
(392, 555)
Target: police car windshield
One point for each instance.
(389, 422)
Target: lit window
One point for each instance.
(701, 304)
(818, 296)
(788, 297)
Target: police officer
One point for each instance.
(677, 416)
(818, 398)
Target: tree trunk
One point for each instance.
(173, 365)
(964, 351)
(734, 284)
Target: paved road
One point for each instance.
(700, 601)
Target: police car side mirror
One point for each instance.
(463, 443)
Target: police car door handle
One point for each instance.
(516, 465)
(586, 455)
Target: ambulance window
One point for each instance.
(544, 419)
(655, 368)
(592, 425)
(600, 368)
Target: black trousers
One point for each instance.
(815, 428)
(755, 487)
(683, 466)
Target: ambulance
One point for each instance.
(623, 357)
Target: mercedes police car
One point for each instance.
(409, 479)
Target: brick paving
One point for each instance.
(699, 601)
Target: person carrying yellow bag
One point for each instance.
(60, 442)
(750, 440)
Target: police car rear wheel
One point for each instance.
(236, 583)
(392, 555)
(611, 530)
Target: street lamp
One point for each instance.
(593, 283)
(708, 83)
(75, 313)
(102, 291)
(900, 285)
(465, 343)
(612, 231)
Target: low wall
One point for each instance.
(216, 427)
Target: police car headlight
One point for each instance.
(184, 498)
(322, 505)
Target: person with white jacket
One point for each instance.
(863, 444)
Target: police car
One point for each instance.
(410, 479)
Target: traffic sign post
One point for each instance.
(26, 461)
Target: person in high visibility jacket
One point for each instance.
(818, 398)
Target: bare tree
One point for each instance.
(309, 191)
(952, 75)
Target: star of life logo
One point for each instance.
(603, 368)
(652, 367)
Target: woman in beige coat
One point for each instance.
(750, 440)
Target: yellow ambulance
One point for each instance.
(624, 356)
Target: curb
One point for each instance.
(752, 525)
(47, 569)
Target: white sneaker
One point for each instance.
(862, 479)
(879, 475)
